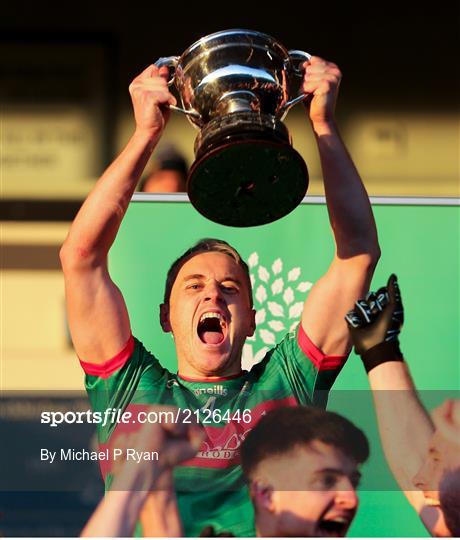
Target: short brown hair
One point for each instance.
(286, 428)
(205, 245)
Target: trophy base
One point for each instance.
(246, 172)
(248, 182)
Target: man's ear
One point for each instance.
(252, 323)
(164, 318)
(262, 494)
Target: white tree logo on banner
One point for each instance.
(278, 300)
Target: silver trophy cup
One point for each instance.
(236, 87)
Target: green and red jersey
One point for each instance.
(210, 488)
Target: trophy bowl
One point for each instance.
(236, 86)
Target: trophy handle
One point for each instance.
(296, 59)
(171, 63)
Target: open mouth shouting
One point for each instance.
(431, 498)
(212, 327)
(334, 526)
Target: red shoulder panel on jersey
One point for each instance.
(106, 369)
(320, 360)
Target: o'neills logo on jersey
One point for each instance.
(216, 390)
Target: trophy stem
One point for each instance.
(240, 126)
(238, 101)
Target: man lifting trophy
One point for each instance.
(236, 86)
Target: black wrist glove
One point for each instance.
(375, 323)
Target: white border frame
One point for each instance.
(316, 199)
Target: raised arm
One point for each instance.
(96, 310)
(405, 426)
(350, 214)
(144, 488)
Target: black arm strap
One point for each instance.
(388, 351)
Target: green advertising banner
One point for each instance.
(419, 240)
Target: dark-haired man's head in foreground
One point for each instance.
(301, 466)
(449, 495)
